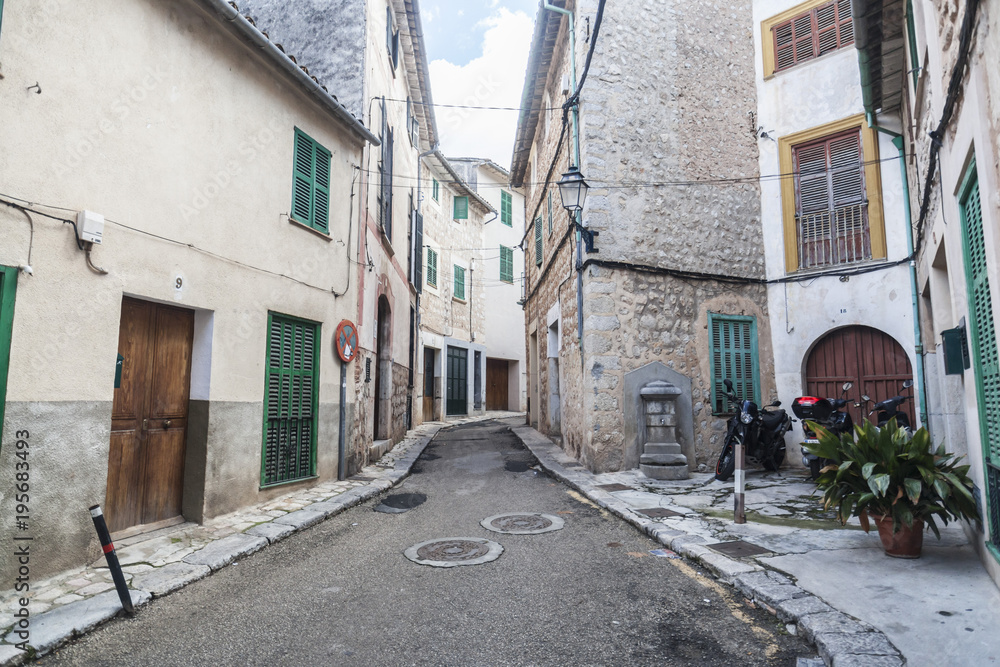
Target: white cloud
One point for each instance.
(493, 79)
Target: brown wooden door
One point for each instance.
(149, 415)
(871, 359)
(496, 384)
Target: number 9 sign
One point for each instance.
(346, 341)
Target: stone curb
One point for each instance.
(839, 639)
(54, 628)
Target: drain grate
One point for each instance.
(658, 513)
(400, 502)
(523, 523)
(614, 487)
(738, 549)
(454, 551)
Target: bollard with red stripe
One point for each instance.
(109, 553)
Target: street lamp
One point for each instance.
(573, 190)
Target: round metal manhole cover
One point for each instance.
(454, 551)
(400, 502)
(522, 523)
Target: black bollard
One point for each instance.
(112, 558)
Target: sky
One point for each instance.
(478, 51)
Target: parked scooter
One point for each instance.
(831, 414)
(889, 409)
(762, 432)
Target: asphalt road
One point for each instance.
(342, 593)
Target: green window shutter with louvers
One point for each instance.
(506, 208)
(538, 241)
(321, 196)
(506, 264)
(290, 400)
(311, 183)
(733, 341)
(459, 282)
(432, 267)
(461, 208)
(986, 360)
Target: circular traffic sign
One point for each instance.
(346, 340)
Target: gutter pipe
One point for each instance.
(859, 15)
(279, 58)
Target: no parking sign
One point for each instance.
(345, 340)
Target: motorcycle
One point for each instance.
(761, 431)
(889, 409)
(826, 412)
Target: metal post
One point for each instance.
(342, 443)
(109, 554)
(741, 485)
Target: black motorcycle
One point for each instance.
(889, 409)
(761, 431)
(826, 412)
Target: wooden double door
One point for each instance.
(149, 415)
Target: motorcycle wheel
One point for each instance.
(774, 461)
(814, 467)
(727, 459)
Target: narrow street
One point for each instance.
(342, 592)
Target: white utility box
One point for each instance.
(90, 226)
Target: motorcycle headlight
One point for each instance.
(745, 417)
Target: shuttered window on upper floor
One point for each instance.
(506, 264)
(459, 282)
(311, 183)
(812, 34)
(506, 208)
(461, 208)
(432, 267)
(538, 241)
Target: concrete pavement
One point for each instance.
(857, 605)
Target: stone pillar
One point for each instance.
(661, 456)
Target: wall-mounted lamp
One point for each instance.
(573, 192)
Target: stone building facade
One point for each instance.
(668, 147)
(181, 368)
(933, 79)
(371, 52)
(453, 302)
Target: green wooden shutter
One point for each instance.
(506, 264)
(435, 189)
(986, 360)
(506, 209)
(8, 288)
(302, 192)
(459, 282)
(733, 357)
(321, 194)
(538, 241)
(290, 400)
(461, 208)
(432, 267)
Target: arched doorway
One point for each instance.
(383, 371)
(871, 359)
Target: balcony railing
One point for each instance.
(828, 238)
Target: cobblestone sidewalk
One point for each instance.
(160, 562)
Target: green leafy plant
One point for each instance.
(886, 471)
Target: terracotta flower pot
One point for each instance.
(905, 543)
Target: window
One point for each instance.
(506, 209)
(384, 196)
(733, 357)
(985, 358)
(290, 400)
(538, 241)
(311, 183)
(8, 284)
(435, 190)
(461, 208)
(459, 282)
(506, 264)
(832, 207)
(550, 212)
(807, 31)
(391, 39)
(432, 267)
(412, 125)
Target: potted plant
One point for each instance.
(888, 475)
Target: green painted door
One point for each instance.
(458, 381)
(8, 285)
(986, 362)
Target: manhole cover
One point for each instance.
(401, 502)
(737, 549)
(522, 523)
(614, 487)
(658, 513)
(454, 551)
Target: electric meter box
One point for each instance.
(90, 226)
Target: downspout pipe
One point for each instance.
(859, 14)
(575, 161)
